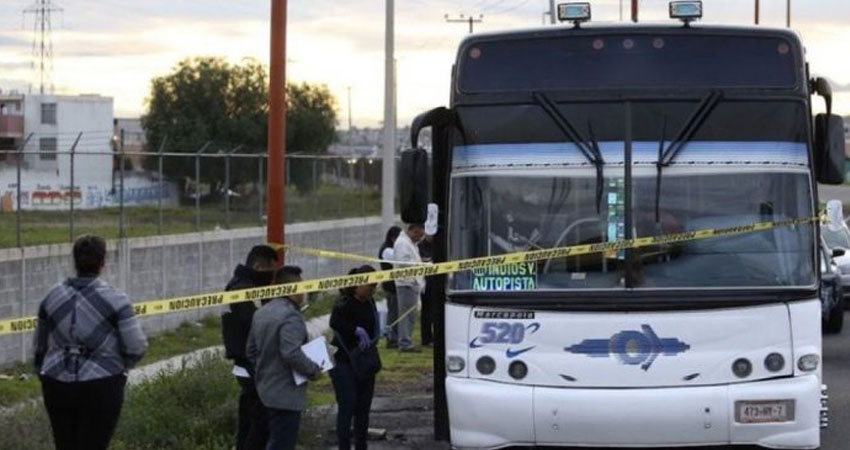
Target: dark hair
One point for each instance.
(89, 255)
(392, 235)
(415, 225)
(349, 291)
(288, 274)
(261, 253)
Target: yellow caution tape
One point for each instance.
(338, 255)
(191, 302)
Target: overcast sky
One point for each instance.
(115, 47)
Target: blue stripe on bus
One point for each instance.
(566, 154)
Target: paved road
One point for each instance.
(836, 355)
(828, 192)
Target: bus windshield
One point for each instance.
(504, 213)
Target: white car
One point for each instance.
(836, 235)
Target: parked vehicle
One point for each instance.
(831, 290)
(836, 236)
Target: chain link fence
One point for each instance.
(51, 196)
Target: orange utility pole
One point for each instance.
(276, 186)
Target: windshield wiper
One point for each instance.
(590, 149)
(685, 134)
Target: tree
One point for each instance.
(208, 100)
(310, 129)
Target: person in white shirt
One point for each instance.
(408, 290)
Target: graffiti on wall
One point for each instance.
(59, 197)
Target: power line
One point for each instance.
(42, 43)
(470, 20)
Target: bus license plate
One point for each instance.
(764, 411)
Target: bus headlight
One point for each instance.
(455, 364)
(485, 365)
(774, 362)
(808, 363)
(517, 370)
(742, 367)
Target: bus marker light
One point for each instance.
(774, 362)
(517, 370)
(808, 363)
(574, 12)
(485, 365)
(455, 364)
(686, 11)
(742, 368)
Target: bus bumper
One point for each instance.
(485, 414)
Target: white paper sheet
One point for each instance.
(317, 351)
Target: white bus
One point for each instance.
(588, 134)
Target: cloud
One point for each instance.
(9, 41)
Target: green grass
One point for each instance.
(51, 227)
(402, 374)
(196, 408)
(186, 338)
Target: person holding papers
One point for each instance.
(355, 323)
(274, 348)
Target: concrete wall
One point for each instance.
(168, 266)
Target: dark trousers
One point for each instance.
(392, 316)
(354, 399)
(426, 320)
(83, 415)
(253, 432)
(283, 429)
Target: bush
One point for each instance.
(187, 410)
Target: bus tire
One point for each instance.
(835, 322)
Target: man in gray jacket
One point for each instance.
(274, 348)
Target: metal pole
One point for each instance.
(20, 156)
(277, 125)
(73, 191)
(349, 109)
(635, 11)
(227, 186)
(552, 12)
(388, 163)
(788, 13)
(621, 10)
(121, 230)
(260, 185)
(227, 191)
(161, 185)
(362, 185)
(757, 12)
(198, 186)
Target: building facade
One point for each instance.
(45, 129)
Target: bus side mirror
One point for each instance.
(413, 186)
(829, 149)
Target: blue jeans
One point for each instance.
(283, 429)
(354, 399)
(407, 298)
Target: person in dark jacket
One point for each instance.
(354, 320)
(258, 270)
(86, 339)
(386, 253)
